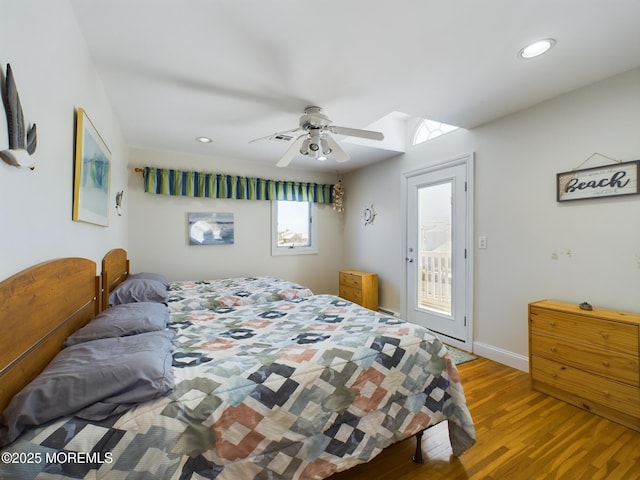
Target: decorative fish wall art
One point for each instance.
(22, 144)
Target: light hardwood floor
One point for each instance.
(522, 435)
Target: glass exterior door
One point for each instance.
(436, 251)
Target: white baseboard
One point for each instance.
(515, 360)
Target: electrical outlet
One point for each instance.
(482, 242)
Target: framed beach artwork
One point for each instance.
(211, 228)
(91, 174)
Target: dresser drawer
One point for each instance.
(351, 293)
(359, 287)
(589, 358)
(587, 387)
(350, 280)
(620, 337)
(614, 365)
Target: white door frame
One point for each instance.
(468, 161)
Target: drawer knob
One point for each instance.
(606, 394)
(605, 335)
(554, 349)
(606, 364)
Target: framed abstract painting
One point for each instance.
(92, 174)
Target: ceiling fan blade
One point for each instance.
(291, 152)
(336, 150)
(354, 132)
(275, 134)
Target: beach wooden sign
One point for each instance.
(599, 182)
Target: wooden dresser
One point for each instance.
(587, 358)
(359, 287)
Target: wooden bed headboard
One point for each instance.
(39, 308)
(115, 268)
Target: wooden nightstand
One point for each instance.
(588, 358)
(360, 287)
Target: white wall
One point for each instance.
(55, 75)
(158, 238)
(517, 159)
(376, 247)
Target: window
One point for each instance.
(293, 229)
(429, 129)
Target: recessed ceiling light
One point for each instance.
(536, 48)
(203, 140)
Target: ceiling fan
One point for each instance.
(316, 141)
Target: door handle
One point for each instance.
(409, 259)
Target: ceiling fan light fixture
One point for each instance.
(536, 48)
(304, 148)
(326, 149)
(317, 141)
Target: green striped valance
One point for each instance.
(214, 185)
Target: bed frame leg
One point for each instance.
(417, 457)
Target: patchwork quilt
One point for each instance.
(294, 389)
(187, 296)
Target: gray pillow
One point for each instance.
(93, 380)
(149, 276)
(121, 321)
(139, 290)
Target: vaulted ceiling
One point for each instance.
(236, 70)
